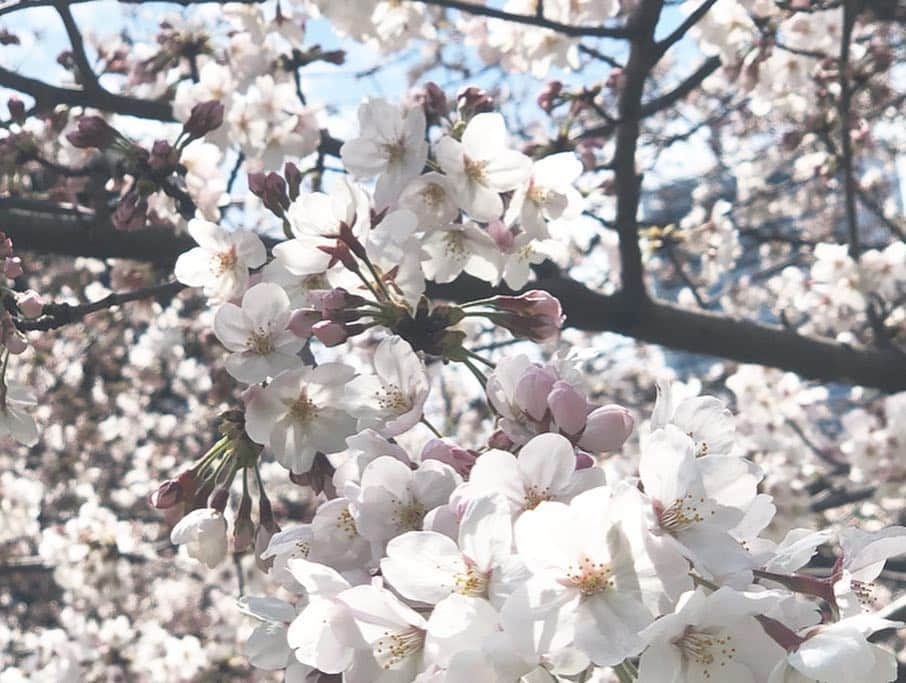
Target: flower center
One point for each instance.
(433, 195)
(259, 342)
(303, 410)
(475, 170)
(706, 649)
(534, 496)
(471, 582)
(392, 648)
(346, 524)
(224, 261)
(590, 577)
(536, 194)
(391, 397)
(864, 591)
(453, 246)
(408, 516)
(394, 150)
(683, 513)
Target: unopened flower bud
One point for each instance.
(16, 109)
(130, 213)
(163, 156)
(606, 429)
(243, 527)
(204, 117)
(204, 534)
(460, 459)
(219, 498)
(500, 440)
(12, 267)
(473, 100)
(92, 131)
(549, 95)
(435, 100)
(584, 460)
(330, 333)
(534, 315)
(302, 321)
(293, 179)
(14, 341)
(568, 406)
(30, 304)
(532, 390)
(167, 495)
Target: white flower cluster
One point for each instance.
(529, 567)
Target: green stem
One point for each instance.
(430, 426)
(481, 359)
(479, 375)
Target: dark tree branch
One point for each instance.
(677, 34)
(846, 157)
(533, 20)
(708, 67)
(50, 95)
(627, 181)
(14, 6)
(723, 336)
(59, 315)
(87, 77)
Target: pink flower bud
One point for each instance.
(12, 267)
(205, 117)
(606, 429)
(330, 333)
(435, 100)
(92, 131)
(549, 94)
(293, 179)
(14, 341)
(163, 156)
(534, 315)
(271, 189)
(16, 109)
(532, 390)
(584, 460)
(167, 495)
(460, 459)
(130, 212)
(30, 304)
(502, 235)
(301, 322)
(500, 440)
(568, 406)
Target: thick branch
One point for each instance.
(626, 179)
(695, 79)
(50, 95)
(846, 158)
(683, 28)
(533, 20)
(58, 315)
(87, 77)
(712, 334)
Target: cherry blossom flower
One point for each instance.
(257, 334)
(547, 195)
(323, 635)
(221, 261)
(426, 566)
(203, 533)
(429, 197)
(316, 219)
(14, 420)
(391, 145)
(545, 470)
(392, 498)
(297, 414)
(594, 573)
(840, 652)
(711, 637)
(393, 398)
(480, 167)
